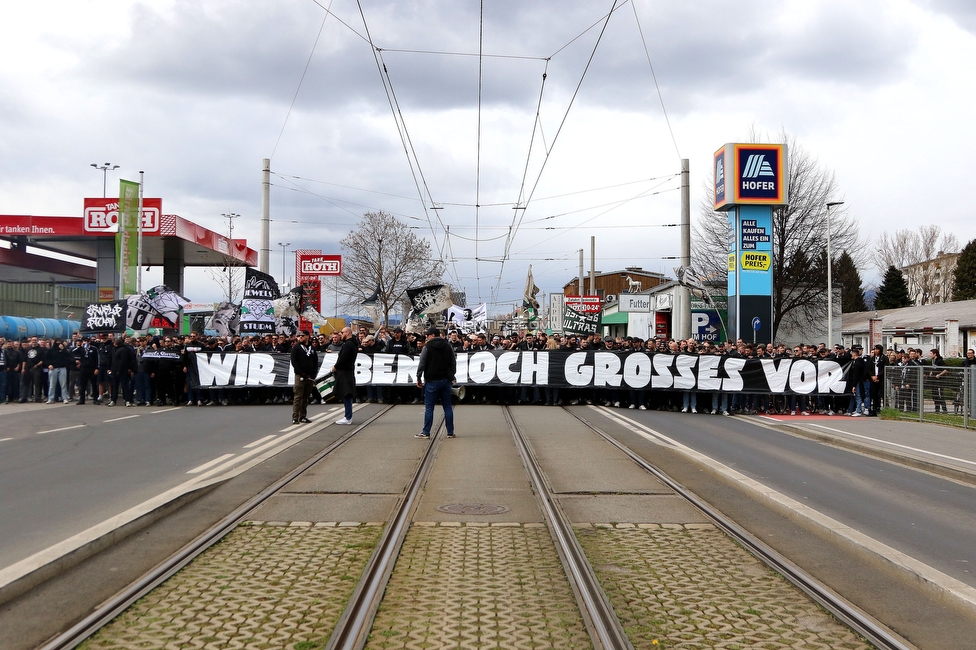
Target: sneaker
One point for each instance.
(805, 413)
(642, 407)
(856, 414)
(419, 435)
(830, 412)
(110, 403)
(128, 404)
(616, 404)
(343, 421)
(51, 401)
(631, 406)
(451, 435)
(306, 421)
(67, 401)
(684, 409)
(725, 413)
(294, 422)
(792, 412)
(694, 410)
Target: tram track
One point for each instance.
(354, 625)
(112, 607)
(843, 610)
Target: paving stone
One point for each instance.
(478, 587)
(695, 588)
(260, 587)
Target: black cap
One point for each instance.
(398, 329)
(433, 331)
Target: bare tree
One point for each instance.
(916, 254)
(799, 239)
(386, 256)
(230, 279)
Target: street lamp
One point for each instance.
(283, 245)
(106, 168)
(830, 287)
(230, 216)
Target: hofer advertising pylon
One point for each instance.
(750, 180)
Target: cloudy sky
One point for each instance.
(565, 120)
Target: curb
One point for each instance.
(25, 575)
(899, 458)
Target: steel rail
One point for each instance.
(845, 611)
(352, 630)
(115, 605)
(604, 626)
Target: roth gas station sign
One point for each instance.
(317, 265)
(102, 215)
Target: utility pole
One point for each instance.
(265, 252)
(592, 266)
(683, 307)
(581, 292)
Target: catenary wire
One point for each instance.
(647, 53)
(301, 81)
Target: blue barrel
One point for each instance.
(16, 328)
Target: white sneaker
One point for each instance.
(694, 410)
(856, 414)
(642, 407)
(343, 421)
(792, 412)
(725, 413)
(631, 406)
(684, 409)
(830, 412)
(616, 404)
(805, 413)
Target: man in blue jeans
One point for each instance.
(437, 365)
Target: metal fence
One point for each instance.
(942, 394)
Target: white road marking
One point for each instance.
(76, 426)
(175, 408)
(79, 540)
(895, 444)
(126, 417)
(206, 466)
(776, 499)
(259, 441)
(5, 439)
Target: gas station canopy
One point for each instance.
(169, 241)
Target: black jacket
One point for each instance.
(437, 361)
(305, 361)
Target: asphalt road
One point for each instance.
(65, 468)
(929, 518)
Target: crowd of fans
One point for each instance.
(110, 369)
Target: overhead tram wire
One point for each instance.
(477, 191)
(517, 218)
(301, 81)
(413, 162)
(597, 216)
(660, 96)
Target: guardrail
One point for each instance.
(940, 394)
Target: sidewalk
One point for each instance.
(947, 451)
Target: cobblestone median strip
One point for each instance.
(479, 586)
(690, 586)
(262, 586)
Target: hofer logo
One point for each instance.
(760, 177)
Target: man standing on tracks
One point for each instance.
(438, 365)
(345, 373)
(305, 362)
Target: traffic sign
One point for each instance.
(756, 323)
